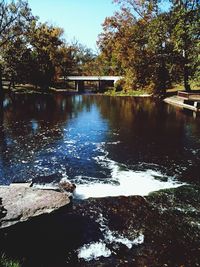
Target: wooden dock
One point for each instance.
(185, 100)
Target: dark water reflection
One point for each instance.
(47, 137)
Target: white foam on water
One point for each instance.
(111, 236)
(126, 183)
(93, 251)
(115, 237)
(123, 182)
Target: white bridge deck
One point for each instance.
(94, 78)
(101, 81)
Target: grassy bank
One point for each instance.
(129, 93)
(179, 87)
(5, 262)
(142, 93)
(110, 91)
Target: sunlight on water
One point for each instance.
(130, 183)
(93, 251)
(123, 182)
(99, 143)
(111, 240)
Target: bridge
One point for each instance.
(101, 81)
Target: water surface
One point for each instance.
(106, 145)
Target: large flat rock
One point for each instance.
(20, 202)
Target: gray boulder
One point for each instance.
(20, 202)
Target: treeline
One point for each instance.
(152, 43)
(34, 52)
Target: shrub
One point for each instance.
(5, 262)
(119, 85)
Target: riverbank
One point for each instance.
(189, 101)
(28, 89)
(20, 202)
(136, 93)
(161, 229)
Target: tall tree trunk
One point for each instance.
(186, 77)
(163, 76)
(185, 54)
(1, 83)
(12, 83)
(1, 116)
(1, 97)
(162, 73)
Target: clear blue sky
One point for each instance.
(81, 19)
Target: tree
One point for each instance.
(83, 56)
(17, 61)
(142, 9)
(115, 43)
(67, 63)
(135, 46)
(160, 49)
(14, 18)
(45, 42)
(186, 34)
(150, 45)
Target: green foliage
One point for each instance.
(185, 36)
(85, 60)
(151, 47)
(5, 262)
(119, 85)
(44, 41)
(36, 53)
(129, 93)
(15, 16)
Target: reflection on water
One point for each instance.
(86, 138)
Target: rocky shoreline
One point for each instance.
(162, 229)
(20, 202)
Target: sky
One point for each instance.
(80, 19)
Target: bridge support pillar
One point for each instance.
(101, 86)
(79, 85)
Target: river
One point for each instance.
(107, 146)
(97, 140)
